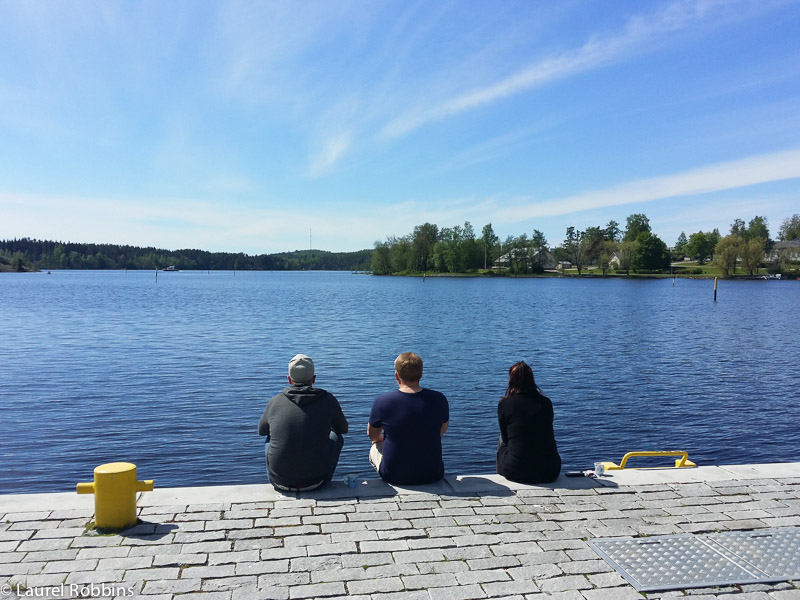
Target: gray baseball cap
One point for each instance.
(301, 368)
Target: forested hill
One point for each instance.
(28, 254)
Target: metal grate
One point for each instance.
(671, 562)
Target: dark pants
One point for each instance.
(334, 448)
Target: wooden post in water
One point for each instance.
(715, 289)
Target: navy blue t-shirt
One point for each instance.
(412, 441)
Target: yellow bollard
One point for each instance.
(114, 490)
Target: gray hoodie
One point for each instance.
(299, 421)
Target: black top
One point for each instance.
(527, 451)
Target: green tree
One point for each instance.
(636, 224)
(738, 227)
(468, 248)
(789, 229)
(606, 254)
(538, 247)
(423, 240)
(519, 253)
(19, 262)
(653, 253)
(681, 243)
(381, 263)
(575, 248)
(400, 254)
(451, 251)
(593, 239)
(700, 246)
(628, 251)
(440, 249)
(612, 232)
(752, 252)
(757, 229)
(490, 243)
(715, 236)
(726, 252)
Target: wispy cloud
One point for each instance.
(333, 148)
(183, 222)
(745, 172)
(639, 34)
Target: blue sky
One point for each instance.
(247, 126)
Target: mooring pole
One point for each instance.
(715, 289)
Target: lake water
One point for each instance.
(173, 373)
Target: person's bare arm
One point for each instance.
(375, 433)
(444, 427)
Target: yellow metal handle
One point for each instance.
(683, 461)
(144, 486)
(678, 463)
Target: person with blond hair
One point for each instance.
(406, 427)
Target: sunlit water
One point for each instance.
(173, 373)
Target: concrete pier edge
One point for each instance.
(467, 536)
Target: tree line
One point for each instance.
(746, 247)
(635, 248)
(456, 249)
(28, 254)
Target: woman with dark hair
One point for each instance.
(526, 451)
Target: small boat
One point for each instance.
(171, 268)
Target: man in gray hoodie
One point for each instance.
(304, 427)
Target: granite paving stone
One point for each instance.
(207, 596)
(179, 560)
(496, 562)
(375, 586)
(461, 592)
(190, 537)
(480, 540)
(23, 568)
(172, 586)
(535, 572)
(84, 577)
(220, 558)
(35, 581)
(12, 557)
(15, 536)
(507, 588)
(51, 544)
(213, 571)
(279, 553)
(444, 566)
(281, 579)
(415, 582)
(262, 567)
(229, 583)
(319, 590)
(467, 552)
(47, 555)
(414, 556)
(418, 595)
(260, 533)
(294, 541)
(482, 576)
(70, 566)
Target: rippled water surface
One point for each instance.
(173, 374)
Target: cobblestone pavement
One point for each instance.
(464, 537)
